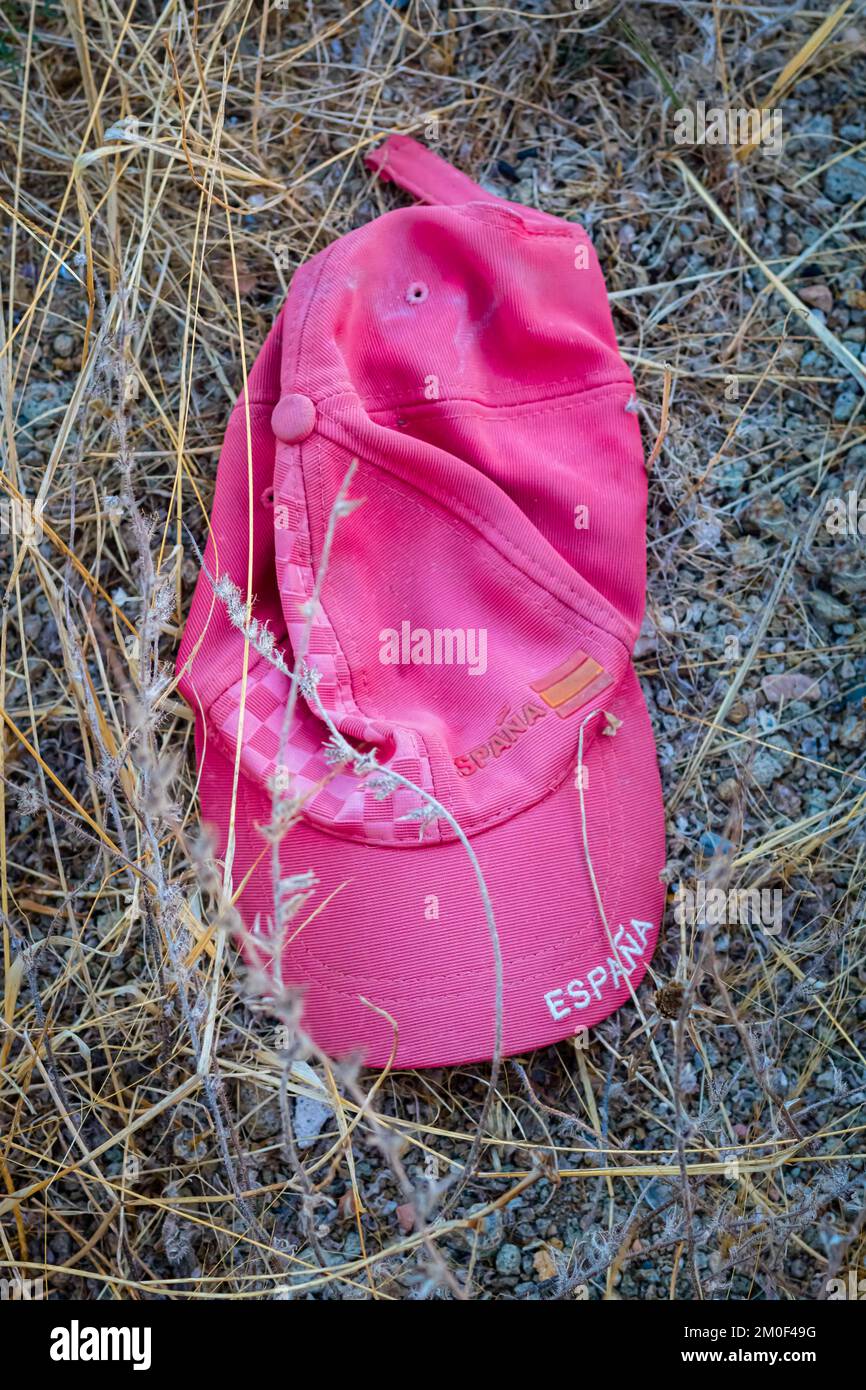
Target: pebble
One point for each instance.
(766, 768)
(846, 180)
(853, 732)
(712, 844)
(828, 607)
(791, 685)
(352, 1246)
(814, 361)
(847, 568)
(772, 516)
(786, 801)
(846, 404)
(63, 345)
(488, 1236)
(310, 1118)
(748, 551)
(509, 1259)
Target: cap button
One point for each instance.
(293, 419)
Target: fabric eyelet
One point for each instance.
(267, 497)
(417, 292)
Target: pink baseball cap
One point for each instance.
(473, 631)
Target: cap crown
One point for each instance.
(488, 591)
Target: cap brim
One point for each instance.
(404, 934)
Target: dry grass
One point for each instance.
(164, 169)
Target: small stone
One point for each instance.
(828, 607)
(819, 296)
(487, 1234)
(647, 638)
(406, 1217)
(766, 768)
(853, 732)
(727, 790)
(786, 801)
(846, 404)
(748, 552)
(508, 1261)
(712, 844)
(847, 569)
(188, 1146)
(63, 345)
(845, 180)
(771, 515)
(310, 1117)
(544, 1264)
(814, 361)
(352, 1246)
(767, 722)
(791, 685)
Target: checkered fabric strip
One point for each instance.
(294, 565)
(296, 581)
(298, 768)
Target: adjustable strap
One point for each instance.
(403, 161)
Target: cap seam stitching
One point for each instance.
(522, 410)
(348, 388)
(510, 220)
(487, 528)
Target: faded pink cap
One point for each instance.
(474, 626)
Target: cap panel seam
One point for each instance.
(348, 388)
(530, 583)
(551, 405)
(506, 216)
(299, 320)
(487, 528)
